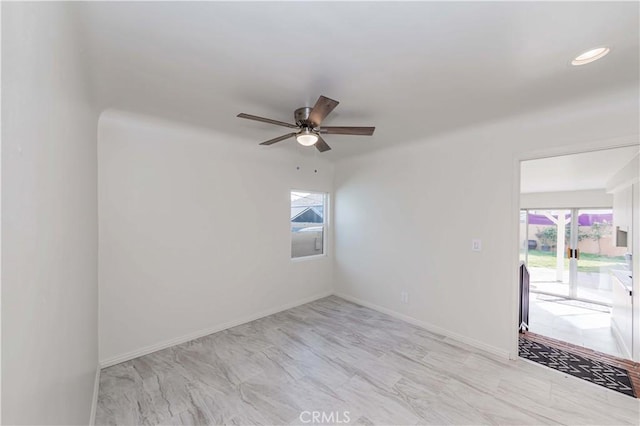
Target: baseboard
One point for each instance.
(429, 327)
(94, 401)
(205, 332)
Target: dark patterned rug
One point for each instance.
(596, 372)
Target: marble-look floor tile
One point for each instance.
(335, 357)
(381, 405)
(578, 325)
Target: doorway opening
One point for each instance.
(575, 248)
(571, 257)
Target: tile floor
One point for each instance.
(338, 357)
(580, 326)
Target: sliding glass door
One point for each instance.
(598, 255)
(570, 253)
(547, 232)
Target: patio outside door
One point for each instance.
(547, 234)
(598, 256)
(570, 253)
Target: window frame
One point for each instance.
(325, 225)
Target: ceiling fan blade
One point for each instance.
(322, 145)
(343, 130)
(321, 109)
(278, 139)
(267, 120)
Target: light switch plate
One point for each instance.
(476, 245)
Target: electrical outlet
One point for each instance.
(476, 245)
(404, 297)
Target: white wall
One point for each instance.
(405, 216)
(593, 198)
(635, 267)
(49, 219)
(626, 176)
(194, 232)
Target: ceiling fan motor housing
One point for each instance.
(301, 116)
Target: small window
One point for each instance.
(308, 223)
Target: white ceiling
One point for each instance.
(411, 69)
(589, 170)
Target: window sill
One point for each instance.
(303, 258)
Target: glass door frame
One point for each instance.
(572, 245)
(573, 260)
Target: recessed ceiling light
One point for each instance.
(590, 56)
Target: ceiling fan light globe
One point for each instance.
(307, 139)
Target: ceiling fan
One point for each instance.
(308, 122)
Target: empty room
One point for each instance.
(270, 213)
